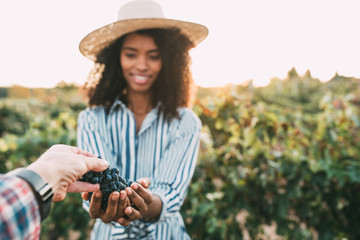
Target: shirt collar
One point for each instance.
(149, 119)
(118, 102)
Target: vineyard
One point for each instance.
(276, 162)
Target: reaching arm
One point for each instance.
(21, 206)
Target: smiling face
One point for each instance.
(140, 62)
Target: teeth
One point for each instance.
(140, 77)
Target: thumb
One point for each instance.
(95, 164)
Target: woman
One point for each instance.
(139, 122)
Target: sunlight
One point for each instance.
(244, 43)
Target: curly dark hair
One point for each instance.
(173, 86)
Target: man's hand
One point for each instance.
(62, 165)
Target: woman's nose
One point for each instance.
(141, 64)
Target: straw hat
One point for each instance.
(133, 16)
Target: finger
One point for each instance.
(142, 192)
(83, 187)
(95, 205)
(94, 163)
(80, 151)
(122, 204)
(136, 200)
(124, 222)
(145, 182)
(85, 196)
(111, 209)
(132, 213)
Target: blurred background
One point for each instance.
(278, 95)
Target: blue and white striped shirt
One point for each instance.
(166, 152)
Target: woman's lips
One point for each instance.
(140, 79)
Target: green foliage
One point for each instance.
(279, 165)
(12, 121)
(46, 124)
(285, 155)
(295, 92)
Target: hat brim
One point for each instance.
(93, 43)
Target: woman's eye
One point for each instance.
(154, 57)
(130, 55)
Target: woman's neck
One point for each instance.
(139, 103)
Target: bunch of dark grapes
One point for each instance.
(109, 181)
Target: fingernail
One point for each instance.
(122, 196)
(114, 196)
(145, 183)
(128, 210)
(97, 194)
(134, 186)
(128, 191)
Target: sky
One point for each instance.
(248, 39)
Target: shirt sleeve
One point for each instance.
(19, 210)
(173, 176)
